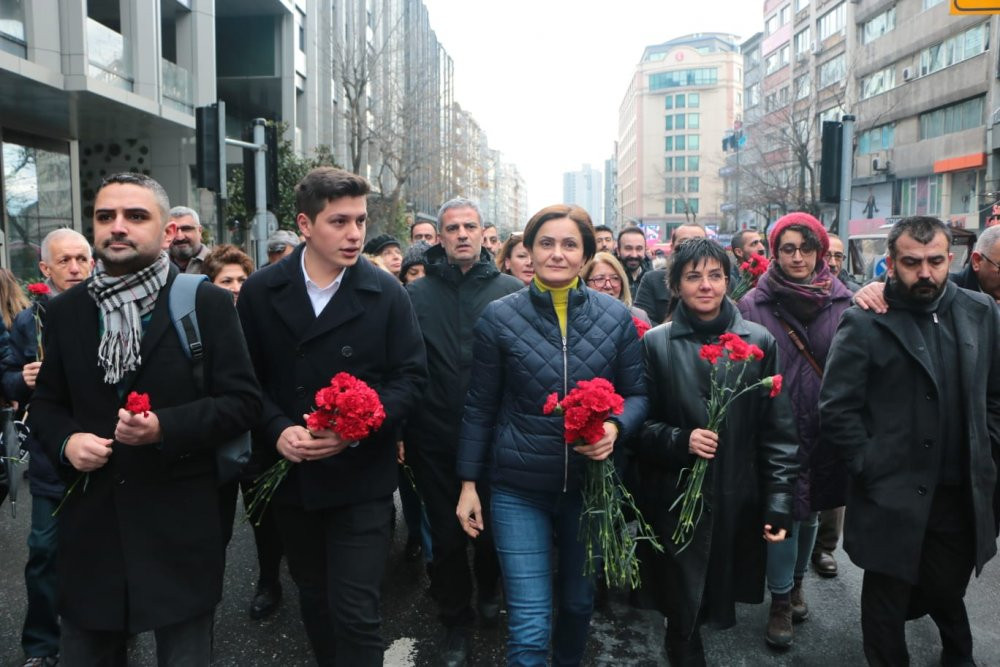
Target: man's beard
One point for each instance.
(632, 263)
(183, 251)
(923, 291)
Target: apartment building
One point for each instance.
(585, 188)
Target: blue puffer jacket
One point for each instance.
(521, 358)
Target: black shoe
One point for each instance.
(488, 609)
(685, 652)
(266, 601)
(456, 647)
(950, 660)
(413, 549)
(825, 564)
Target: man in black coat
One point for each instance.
(140, 540)
(320, 311)
(632, 254)
(653, 295)
(912, 400)
(461, 280)
(66, 261)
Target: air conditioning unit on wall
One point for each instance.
(816, 48)
(907, 74)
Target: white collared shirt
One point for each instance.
(320, 296)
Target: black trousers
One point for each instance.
(184, 644)
(831, 524)
(265, 536)
(337, 559)
(451, 580)
(946, 563)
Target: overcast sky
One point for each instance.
(545, 78)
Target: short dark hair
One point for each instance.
(922, 228)
(673, 234)
(695, 251)
(630, 230)
(556, 211)
(489, 225)
(604, 228)
(809, 238)
(222, 256)
(323, 185)
(143, 181)
(738, 237)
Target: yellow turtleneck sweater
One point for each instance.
(560, 300)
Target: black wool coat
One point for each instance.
(368, 329)
(141, 545)
(751, 475)
(879, 408)
(448, 304)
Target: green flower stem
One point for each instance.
(604, 530)
(263, 488)
(82, 475)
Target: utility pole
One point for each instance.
(259, 146)
(846, 172)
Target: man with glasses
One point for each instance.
(835, 260)
(186, 250)
(981, 274)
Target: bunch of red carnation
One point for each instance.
(640, 326)
(348, 407)
(750, 272)
(137, 403)
(585, 409)
(732, 345)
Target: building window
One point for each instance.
(679, 142)
(832, 71)
(669, 125)
(12, 28)
(771, 24)
(801, 4)
(668, 164)
(694, 142)
(668, 206)
(833, 21)
(693, 163)
(879, 82)
(921, 196)
(679, 121)
(679, 101)
(784, 53)
(693, 121)
(692, 184)
(694, 100)
(965, 188)
(803, 86)
(753, 95)
(668, 145)
(833, 113)
(878, 26)
(785, 15)
(955, 49)
(955, 118)
(699, 76)
(803, 41)
(876, 139)
(302, 31)
(688, 205)
(668, 102)
(783, 96)
(771, 64)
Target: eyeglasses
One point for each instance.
(789, 250)
(995, 265)
(597, 281)
(839, 256)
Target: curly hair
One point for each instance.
(221, 257)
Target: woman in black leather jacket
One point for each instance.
(747, 489)
(540, 340)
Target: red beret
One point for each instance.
(805, 220)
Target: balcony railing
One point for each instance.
(177, 86)
(108, 54)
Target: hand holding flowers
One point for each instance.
(750, 272)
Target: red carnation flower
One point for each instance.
(774, 382)
(640, 326)
(39, 289)
(710, 353)
(136, 403)
(551, 404)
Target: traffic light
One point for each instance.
(270, 172)
(830, 161)
(210, 134)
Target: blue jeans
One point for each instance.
(788, 560)
(524, 530)
(40, 635)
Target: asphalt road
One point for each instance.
(620, 636)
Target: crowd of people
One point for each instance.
(881, 420)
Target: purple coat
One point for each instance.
(822, 481)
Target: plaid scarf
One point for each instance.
(123, 300)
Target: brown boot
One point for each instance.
(779, 624)
(800, 610)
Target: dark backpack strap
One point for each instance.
(185, 318)
(799, 345)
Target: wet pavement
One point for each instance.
(619, 636)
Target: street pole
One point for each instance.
(846, 171)
(260, 166)
(736, 216)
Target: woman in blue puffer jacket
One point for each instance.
(529, 344)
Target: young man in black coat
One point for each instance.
(461, 280)
(320, 311)
(911, 398)
(140, 540)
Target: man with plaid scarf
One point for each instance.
(140, 538)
